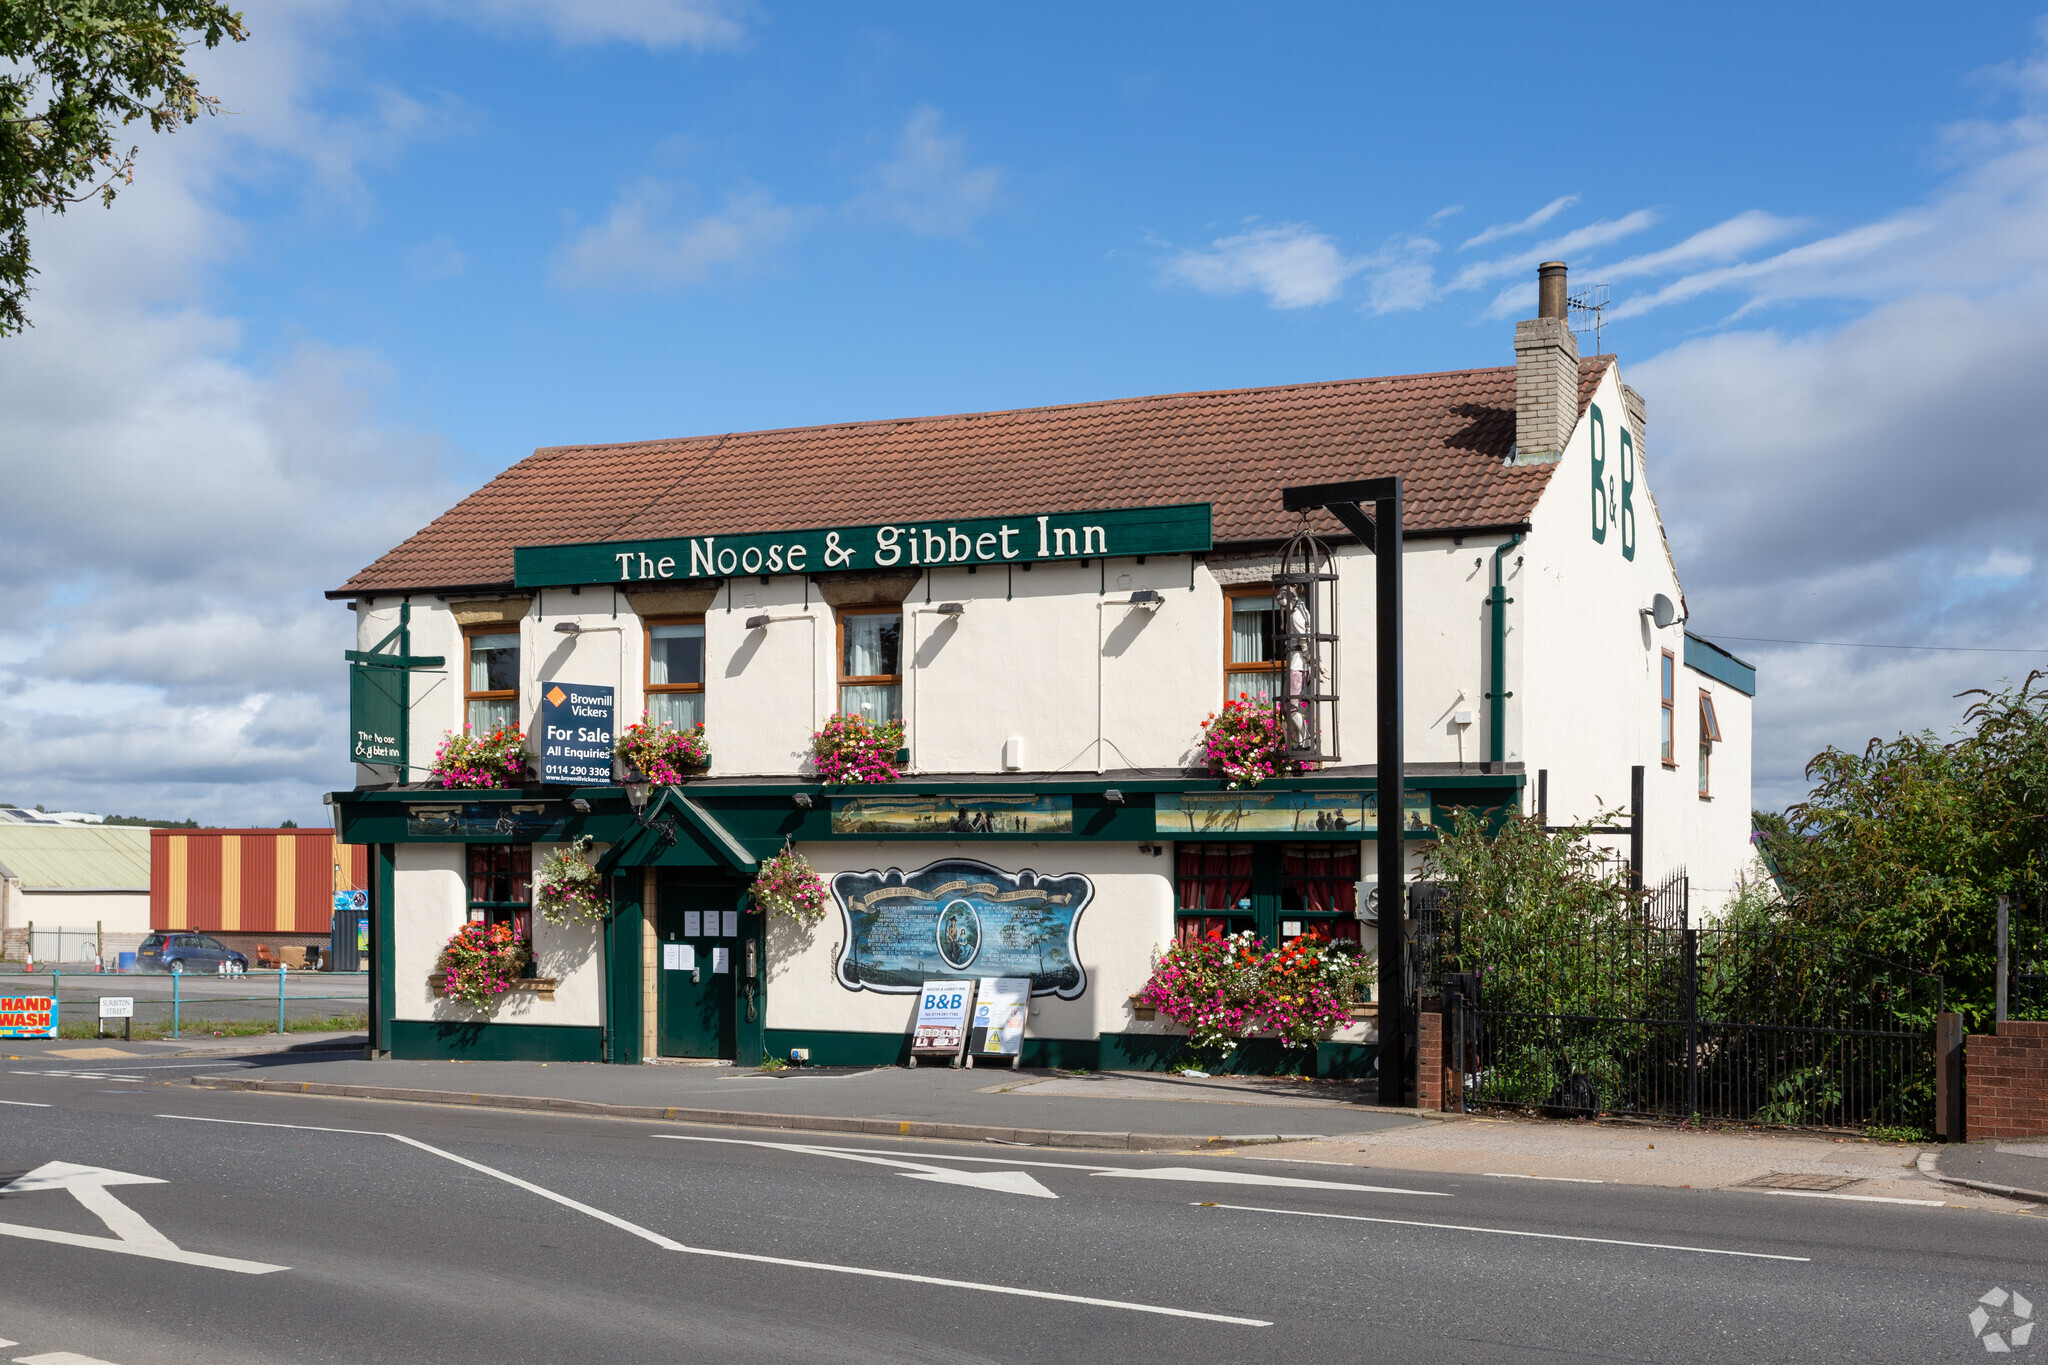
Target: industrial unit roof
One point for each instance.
(75, 857)
(1448, 435)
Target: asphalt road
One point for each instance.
(404, 1233)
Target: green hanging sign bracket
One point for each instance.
(380, 696)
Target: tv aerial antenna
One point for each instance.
(1588, 308)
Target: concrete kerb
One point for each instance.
(1927, 1166)
(731, 1118)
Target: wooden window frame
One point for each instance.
(1230, 596)
(518, 912)
(511, 694)
(895, 680)
(1710, 735)
(648, 687)
(1667, 704)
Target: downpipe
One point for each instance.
(1497, 693)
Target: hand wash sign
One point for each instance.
(576, 734)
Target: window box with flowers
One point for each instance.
(494, 759)
(1223, 989)
(482, 963)
(667, 754)
(1246, 742)
(853, 749)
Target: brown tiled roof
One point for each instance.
(1447, 434)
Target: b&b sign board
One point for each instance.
(940, 1029)
(576, 734)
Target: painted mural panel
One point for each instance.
(1201, 814)
(539, 821)
(961, 917)
(1026, 814)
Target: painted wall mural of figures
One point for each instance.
(958, 916)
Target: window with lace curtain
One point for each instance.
(491, 678)
(675, 672)
(1251, 646)
(871, 663)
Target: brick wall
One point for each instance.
(2007, 1082)
(1431, 1078)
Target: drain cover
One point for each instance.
(1781, 1180)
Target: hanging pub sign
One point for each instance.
(576, 734)
(908, 544)
(903, 928)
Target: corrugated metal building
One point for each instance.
(241, 885)
(78, 878)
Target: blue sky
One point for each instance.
(431, 237)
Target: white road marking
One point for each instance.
(79, 1075)
(1563, 1179)
(4, 1343)
(1509, 1232)
(1859, 1198)
(297, 1127)
(1195, 1175)
(1002, 1182)
(1180, 1172)
(669, 1244)
(26, 1104)
(58, 1358)
(133, 1236)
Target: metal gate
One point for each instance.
(1682, 1023)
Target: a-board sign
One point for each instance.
(117, 1007)
(28, 1016)
(1000, 1008)
(941, 1026)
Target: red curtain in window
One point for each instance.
(1325, 876)
(1214, 876)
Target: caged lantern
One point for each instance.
(1305, 612)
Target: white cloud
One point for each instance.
(1724, 241)
(174, 510)
(1561, 248)
(1529, 224)
(928, 186)
(658, 24)
(642, 243)
(1292, 264)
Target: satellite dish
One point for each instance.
(1662, 611)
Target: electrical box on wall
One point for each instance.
(1013, 754)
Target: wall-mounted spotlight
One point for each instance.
(580, 806)
(1113, 795)
(802, 799)
(955, 609)
(1149, 598)
(567, 628)
(758, 622)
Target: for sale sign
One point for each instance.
(28, 1016)
(941, 1026)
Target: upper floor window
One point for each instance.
(675, 673)
(1710, 735)
(871, 663)
(492, 695)
(1251, 646)
(1668, 711)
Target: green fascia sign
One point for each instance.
(1118, 533)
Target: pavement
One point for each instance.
(152, 1222)
(196, 1045)
(2017, 1168)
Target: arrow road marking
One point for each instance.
(133, 1235)
(1003, 1182)
(669, 1244)
(1185, 1173)
(1509, 1232)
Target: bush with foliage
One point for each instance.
(494, 760)
(787, 884)
(480, 963)
(665, 753)
(567, 889)
(853, 749)
(1246, 742)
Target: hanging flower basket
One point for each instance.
(787, 884)
(482, 962)
(667, 755)
(854, 749)
(1246, 742)
(567, 889)
(494, 760)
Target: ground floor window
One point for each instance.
(1277, 891)
(501, 886)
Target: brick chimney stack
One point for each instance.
(1546, 373)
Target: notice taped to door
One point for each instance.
(1000, 1009)
(941, 1025)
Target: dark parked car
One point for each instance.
(187, 952)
